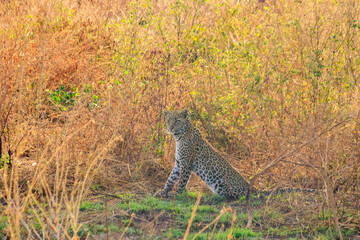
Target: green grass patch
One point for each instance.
(182, 203)
(283, 231)
(91, 229)
(3, 226)
(331, 233)
(237, 233)
(88, 205)
(174, 233)
(177, 211)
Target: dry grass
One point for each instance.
(259, 79)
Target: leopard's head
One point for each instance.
(177, 122)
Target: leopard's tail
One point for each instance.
(286, 190)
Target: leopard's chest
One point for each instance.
(183, 150)
(177, 152)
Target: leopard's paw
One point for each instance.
(161, 194)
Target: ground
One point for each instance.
(148, 217)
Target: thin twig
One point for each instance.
(281, 158)
(232, 225)
(132, 217)
(223, 211)
(301, 164)
(192, 216)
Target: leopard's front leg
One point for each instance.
(180, 172)
(185, 171)
(174, 175)
(183, 159)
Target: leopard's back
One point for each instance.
(205, 161)
(216, 171)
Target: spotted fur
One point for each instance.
(193, 153)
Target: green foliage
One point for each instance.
(89, 229)
(154, 203)
(88, 205)
(4, 160)
(237, 233)
(94, 100)
(282, 231)
(174, 233)
(329, 233)
(3, 225)
(97, 228)
(63, 98)
(131, 231)
(324, 215)
(245, 232)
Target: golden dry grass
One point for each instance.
(83, 86)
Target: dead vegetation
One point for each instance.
(83, 86)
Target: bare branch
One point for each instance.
(281, 158)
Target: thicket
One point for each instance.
(83, 86)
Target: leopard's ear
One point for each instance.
(166, 112)
(184, 113)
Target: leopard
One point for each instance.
(194, 154)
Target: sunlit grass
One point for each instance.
(83, 86)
